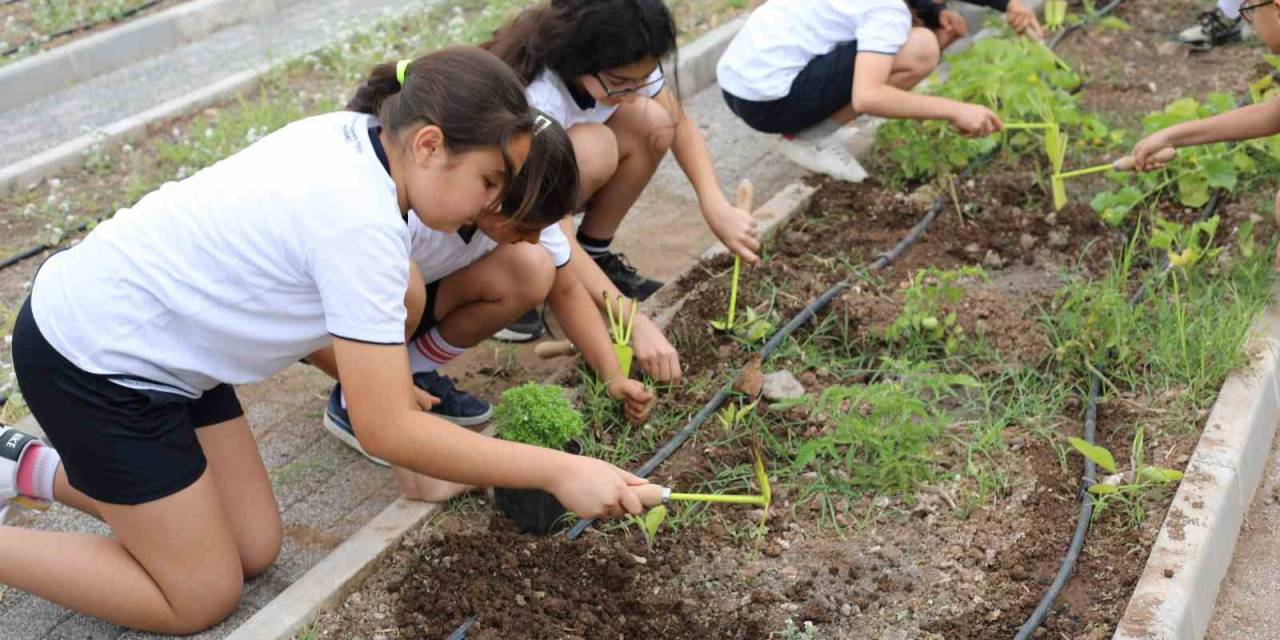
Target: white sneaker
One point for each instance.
(13, 444)
(821, 150)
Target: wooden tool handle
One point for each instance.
(746, 196)
(554, 349)
(650, 494)
(1162, 156)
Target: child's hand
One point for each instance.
(975, 121)
(425, 400)
(1146, 149)
(658, 359)
(636, 400)
(593, 488)
(736, 229)
(1023, 20)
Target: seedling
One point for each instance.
(1129, 487)
(922, 319)
(731, 416)
(620, 327)
(1055, 14)
(537, 414)
(651, 522)
(746, 201)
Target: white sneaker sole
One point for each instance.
(507, 335)
(338, 432)
(851, 173)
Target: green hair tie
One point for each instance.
(401, 67)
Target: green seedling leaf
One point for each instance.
(1160, 474)
(653, 520)
(1099, 455)
(1102, 489)
(720, 325)
(1193, 189)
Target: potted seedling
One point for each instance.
(620, 326)
(540, 415)
(746, 201)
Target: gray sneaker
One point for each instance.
(1212, 29)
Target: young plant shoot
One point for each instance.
(746, 202)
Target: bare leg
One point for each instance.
(917, 58)
(644, 132)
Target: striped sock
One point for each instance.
(431, 351)
(36, 471)
(594, 246)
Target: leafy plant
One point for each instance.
(1131, 488)
(922, 319)
(733, 415)
(650, 523)
(537, 414)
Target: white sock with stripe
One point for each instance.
(431, 351)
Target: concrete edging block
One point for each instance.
(42, 74)
(1176, 595)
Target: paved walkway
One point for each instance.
(297, 28)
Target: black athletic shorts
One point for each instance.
(119, 445)
(428, 320)
(824, 86)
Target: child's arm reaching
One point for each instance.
(733, 226)
(582, 324)
(1245, 123)
(388, 425)
(873, 95)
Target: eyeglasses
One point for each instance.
(631, 86)
(1246, 11)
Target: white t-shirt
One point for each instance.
(549, 93)
(439, 254)
(782, 36)
(235, 273)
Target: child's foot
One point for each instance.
(338, 423)
(821, 150)
(1212, 29)
(527, 329)
(624, 276)
(456, 406)
(13, 444)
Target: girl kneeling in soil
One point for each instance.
(127, 348)
(595, 66)
(790, 70)
(478, 280)
(1245, 123)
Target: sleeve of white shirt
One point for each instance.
(362, 275)
(553, 240)
(883, 28)
(543, 95)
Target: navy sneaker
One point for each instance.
(458, 407)
(527, 329)
(338, 423)
(624, 276)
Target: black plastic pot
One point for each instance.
(535, 511)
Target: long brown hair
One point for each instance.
(579, 37)
(477, 101)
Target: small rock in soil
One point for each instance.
(1027, 242)
(973, 248)
(1058, 239)
(993, 260)
(1170, 48)
(1051, 219)
(781, 385)
(1168, 573)
(752, 378)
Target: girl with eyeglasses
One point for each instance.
(595, 66)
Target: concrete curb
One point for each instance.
(1176, 595)
(42, 74)
(346, 566)
(68, 153)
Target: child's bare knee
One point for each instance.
(216, 602)
(530, 274)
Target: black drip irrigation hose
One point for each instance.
(69, 31)
(1090, 431)
(38, 249)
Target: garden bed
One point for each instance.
(923, 487)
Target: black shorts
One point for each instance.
(428, 321)
(824, 86)
(118, 445)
